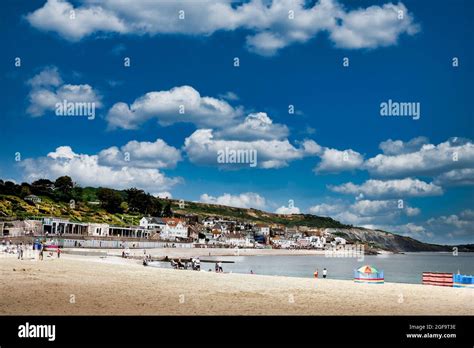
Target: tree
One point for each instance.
(110, 199)
(137, 200)
(167, 212)
(154, 207)
(42, 187)
(63, 187)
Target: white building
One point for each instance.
(152, 223)
(263, 229)
(173, 229)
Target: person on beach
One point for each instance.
(219, 267)
(197, 264)
(59, 252)
(316, 273)
(41, 252)
(325, 272)
(216, 267)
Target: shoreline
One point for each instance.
(199, 252)
(117, 286)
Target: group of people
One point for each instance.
(195, 264)
(34, 250)
(325, 273)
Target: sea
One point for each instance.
(398, 268)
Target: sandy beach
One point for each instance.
(80, 285)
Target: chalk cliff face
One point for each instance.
(385, 240)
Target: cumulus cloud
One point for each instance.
(364, 212)
(202, 148)
(407, 187)
(87, 171)
(47, 89)
(243, 200)
(255, 126)
(397, 147)
(445, 229)
(272, 25)
(373, 27)
(456, 153)
(456, 177)
(288, 210)
(163, 195)
(333, 160)
(179, 104)
(143, 154)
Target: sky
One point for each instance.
(299, 89)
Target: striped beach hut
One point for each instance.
(368, 274)
(463, 281)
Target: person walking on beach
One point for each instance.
(219, 267)
(325, 272)
(59, 252)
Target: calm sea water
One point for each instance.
(401, 268)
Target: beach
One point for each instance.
(86, 285)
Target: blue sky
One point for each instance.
(336, 155)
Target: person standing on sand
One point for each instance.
(59, 252)
(325, 272)
(316, 273)
(219, 267)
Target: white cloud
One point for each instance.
(87, 171)
(144, 154)
(163, 195)
(229, 96)
(256, 126)
(397, 147)
(56, 16)
(47, 89)
(407, 187)
(333, 161)
(202, 148)
(243, 200)
(364, 212)
(179, 104)
(288, 210)
(429, 160)
(373, 27)
(456, 177)
(271, 25)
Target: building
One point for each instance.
(262, 229)
(152, 223)
(235, 239)
(33, 198)
(174, 228)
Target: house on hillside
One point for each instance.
(262, 229)
(33, 199)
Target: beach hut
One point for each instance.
(368, 274)
(463, 281)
